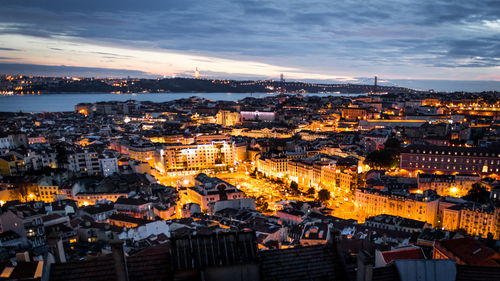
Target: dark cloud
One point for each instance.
(36, 69)
(9, 49)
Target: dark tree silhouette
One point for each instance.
(323, 195)
(477, 194)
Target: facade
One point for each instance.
(276, 167)
(474, 220)
(47, 190)
(312, 173)
(217, 155)
(257, 116)
(12, 141)
(85, 199)
(138, 208)
(84, 161)
(37, 159)
(227, 118)
(108, 165)
(447, 185)
(415, 206)
(208, 189)
(353, 113)
(450, 160)
(11, 165)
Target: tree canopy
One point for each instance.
(477, 193)
(323, 195)
(387, 158)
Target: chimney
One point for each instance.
(365, 266)
(24, 256)
(119, 260)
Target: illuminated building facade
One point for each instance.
(474, 220)
(227, 118)
(447, 185)
(85, 199)
(210, 190)
(217, 155)
(415, 206)
(257, 116)
(450, 160)
(275, 167)
(353, 113)
(312, 173)
(47, 190)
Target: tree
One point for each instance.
(477, 194)
(22, 192)
(294, 187)
(311, 191)
(387, 158)
(261, 205)
(323, 195)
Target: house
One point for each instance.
(382, 258)
(315, 234)
(100, 212)
(466, 251)
(136, 207)
(138, 229)
(211, 189)
(10, 239)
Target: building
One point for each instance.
(312, 172)
(108, 165)
(138, 208)
(421, 207)
(275, 167)
(142, 150)
(474, 220)
(227, 118)
(10, 222)
(47, 189)
(210, 189)
(315, 234)
(395, 223)
(247, 116)
(12, 141)
(11, 165)
(383, 258)
(84, 161)
(447, 185)
(451, 160)
(466, 251)
(353, 113)
(139, 229)
(178, 159)
(85, 199)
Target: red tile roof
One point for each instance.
(404, 254)
(471, 251)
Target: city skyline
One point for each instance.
(318, 41)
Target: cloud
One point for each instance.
(347, 37)
(9, 49)
(56, 70)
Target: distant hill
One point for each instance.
(60, 85)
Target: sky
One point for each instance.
(310, 40)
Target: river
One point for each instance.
(67, 101)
